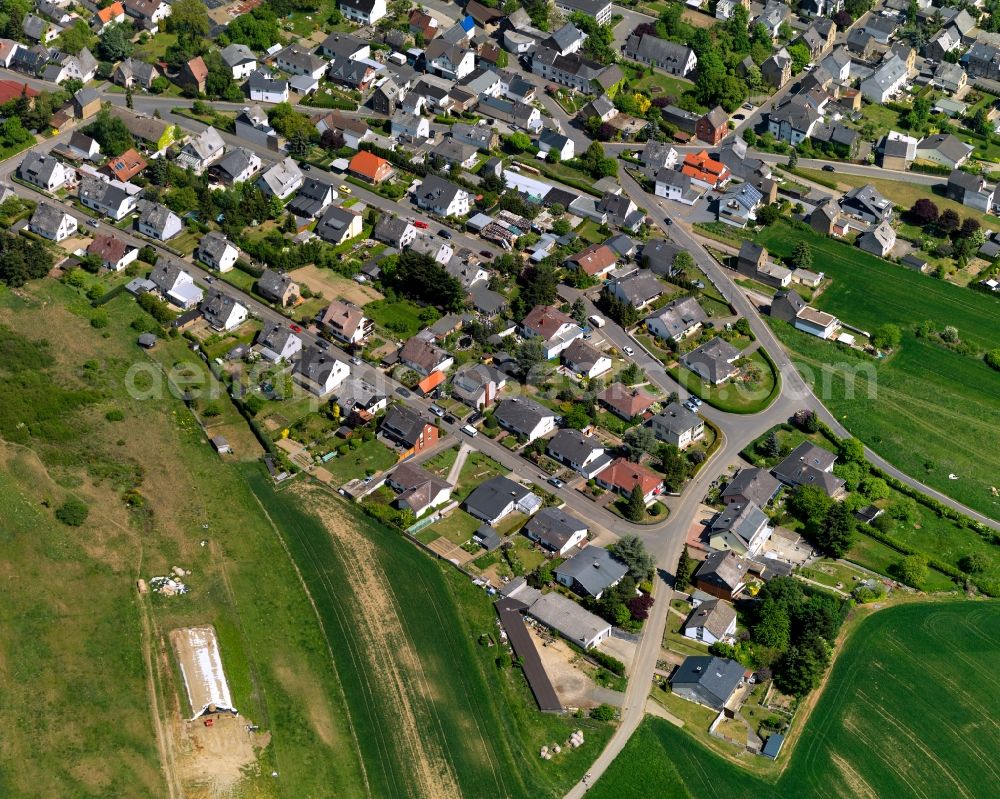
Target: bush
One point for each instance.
(73, 512)
(603, 713)
(114, 415)
(612, 664)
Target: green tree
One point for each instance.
(74, 38)
(109, 132)
(518, 142)
(711, 75)
(675, 467)
(913, 570)
(992, 359)
(22, 259)
(838, 531)
(73, 512)
(635, 509)
(800, 56)
(631, 551)
(887, 336)
(851, 450)
(769, 214)
(973, 563)
(810, 504)
(793, 161)
(802, 667)
(773, 628)
(770, 446)
(579, 311)
(685, 570)
(638, 441)
(189, 20)
(530, 354)
(874, 488)
(257, 29)
(421, 277)
(802, 256)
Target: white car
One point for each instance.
(629, 351)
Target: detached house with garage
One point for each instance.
(157, 221)
(712, 621)
(713, 361)
(281, 180)
(276, 342)
(556, 329)
(442, 197)
(364, 12)
(591, 572)
(52, 223)
(114, 253)
(499, 497)
(278, 287)
(585, 360)
(555, 531)
(43, 171)
(345, 322)
(583, 454)
(626, 403)
(722, 575)
(108, 197)
(751, 484)
(622, 476)
(809, 464)
(223, 312)
(678, 426)
(740, 527)
(525, 418)
(175, 285)
(418, 489)
(424, 357)
(707, 680)
(477, 385)
(320, 372)
(677, 320)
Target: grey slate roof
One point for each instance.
(741, 519)
(714, 615)
(490, 498)
(712, 359)
(46, 219)
(573, 446)
(553, 528)
(718, 676)
(757, 485)
(521, 414)
(593, 570)
(677, 419)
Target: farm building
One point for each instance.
(198, 655)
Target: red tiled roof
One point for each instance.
(431, 382)
(625, 475)
(126, 166)
(364, 163)
(111, 12)
(12, 89)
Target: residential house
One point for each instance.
(265, 88)
(885, 81)
(741, 527)
(970, 190)
(602, 108)
(513, 112)
(148, 14)
(154, 134)
(794, 119)
(675, 185)
(776, 70)
(240, 60)
(944, 149)
(111, 14)
(449, 60)
(282, 179)
(591, 572)
(622, 476)
(175, 284)
(339, 224)
(819, 37)
(637, 289)
(879, 240)
(276, 342)
(251, 124)
(115, 254)
(498, 497)
(825, 218)
(838, 64)
(236, 166)
(217, 252)
(424, 357)
(202, 151)
(751, 485)
(713, 361)
(553, 610)
(418, 489)
(983, 61)
(705, 171)
(946, 40)
(621, 211)
(571, 70)
(44, 171)
(81, 67)
(809, 464)
(343, 45)
(157, 221)
(707, 680)
(341, 131)
(30, 60)
(423, 23)
(881, 27)
(487, 303)
(552, 141)
(555, 531)
(296, 60)
(278, 287)
(124, 167)
(581, 453)
(671, 57)
(223, 312)
(751, 258)
(477, 385)
(482, 137)
(387, 97)
(394, 231)
(712, 621)
(435, 248)
(738, 206)
(193, 75)
(455, 153)
(364, 12)
(713, 127)
(626, 403)
(525, 418)
(360, 399)
(353, 74)
(109, 197)
(8, 48)
(556, 329)
(866, 203)
(657, 155)
(86, 103)
(566, 40)
(722, 575)
(950, 77)
(896, 151)
(676, 425)
(658, 256)
(319, 372)
(677, 320)
(39, 30)
(52, 223)
(313, 198)
(442, 197)
(774, 15)
(724, 8)
(585, 360)
(132, 73)
(596, 260)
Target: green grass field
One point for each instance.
(934, 412)
(908, 710)
(402, 318)
(401, 630)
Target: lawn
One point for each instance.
(908, 711)
(904, 194)
(370, 455)
(431, 714)
(403, 318)
(77, 710)
(661, 85)
(478, 468)
(458, 526)
(914, 409)
(732, 397)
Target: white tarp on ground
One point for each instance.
(198, 653)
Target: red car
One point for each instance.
(420, 224)
(296, 328)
